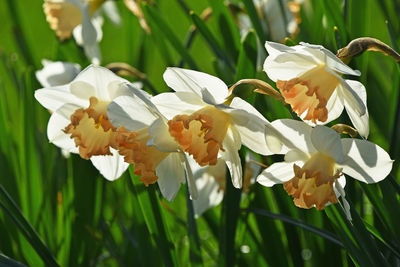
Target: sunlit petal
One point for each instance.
(365, 161)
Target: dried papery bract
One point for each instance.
(358, 46)
(345, 129)
(261, 88)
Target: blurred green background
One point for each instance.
(58, 211)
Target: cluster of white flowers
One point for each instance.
(187, 135)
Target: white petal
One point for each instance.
(194, 81)
(292, 134)
(296, 156)
(54, 97)
(57, 123)
(339, 190)
(331, 60)
(209, 193)
(231, 145)
(129, 112)
(82, 89)
(88, 34)
(171, 175)
(252, 132)
(361, 123)
(327, 141)
(111, 11)
(285, 63)
(99, 78)
(57, 73)
(334, 106)
(172, 104)
(145, 98)
(365, 161)
(194, 194)
(161, 138)
(111, 167)
(277, 173)
(350, 97)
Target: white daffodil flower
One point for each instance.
(80, 19)
(211, 182)
(56, 73)
(278, 21)
(79, 122)
(142, 129)
(309, 77)
(204, 126)
(316, 160)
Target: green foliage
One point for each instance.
(57, 211)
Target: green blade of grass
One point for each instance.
(194, 242)
(151, 210)
(255, 20)
(169, 34)
(323, 233)
(227, 28)
(11, 209)
(229, 220)
(246, 66)
(6, 261)
(379, 237)
(211, 41)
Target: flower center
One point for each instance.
(309, 93)
(133, 146)
(201, 134)
(91, 130)
(313, 183)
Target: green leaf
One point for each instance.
(169, 34)
(194, 242)
(151, 211)
(323, 233)
(255, 20)
(11, 209)
(246, 66)
(6, 261)
(229, 219)
(211, 41)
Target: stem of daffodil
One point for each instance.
(195, 250)
(261, 88)
(121, 68)
(345, 129)
(360, 45)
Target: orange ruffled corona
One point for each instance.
(310, 93)
(63, 17)
(313, 183)
(91, 130)
(201, 134)
(133, 146)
